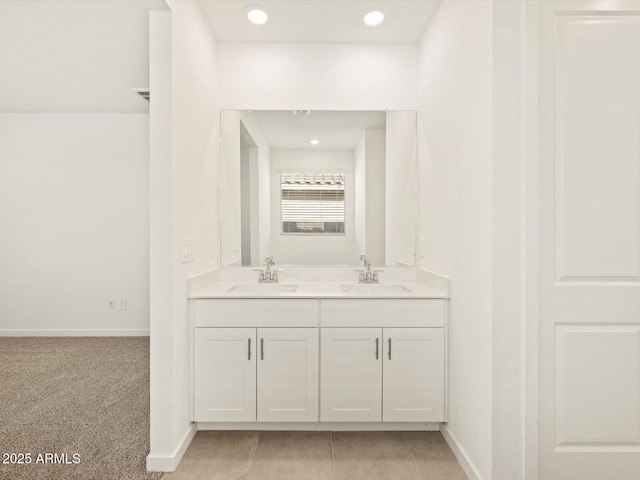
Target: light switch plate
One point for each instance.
(187, 250)
(122, 303)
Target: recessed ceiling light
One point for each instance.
(256, 15)
(374, 18)
(314, 142)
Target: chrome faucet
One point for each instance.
(367, 276)
(268, 275)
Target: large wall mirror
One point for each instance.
(318, 187)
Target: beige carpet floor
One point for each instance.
(88, 396)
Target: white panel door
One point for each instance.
(225, 375)
(413, 373)
(288, 375)
(589, 240)
(351, 378)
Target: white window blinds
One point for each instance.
(312, 203)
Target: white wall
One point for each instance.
(376, 195)
(509, 247)
(160, 242)
(230, 231)
(73, 56)
(74, 163)
(323, 77)
(230, 200)
(195, 117)
(184, 196)
(401, 188)
(74, 225)
(250, 204)
(370, 168)
(262, 154)
(456, 200)
(360, 185)
(314, 249)
(245, 202)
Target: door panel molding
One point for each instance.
(597, 384)
(596, 148)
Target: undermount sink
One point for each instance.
(374, 288)
(263, 289)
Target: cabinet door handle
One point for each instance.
(249, 348)
(389, 349)
(262, 349)
(377, 347)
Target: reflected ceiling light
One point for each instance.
(314, 142)
(256, 15)
(374, 18)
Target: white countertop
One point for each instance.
(318, 289)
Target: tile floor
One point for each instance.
(237, 455)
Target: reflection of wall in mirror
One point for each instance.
(401, 178)
(231, 194)
(250, 227)
(370, 194)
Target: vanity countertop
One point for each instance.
(318, 289)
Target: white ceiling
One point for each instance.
(335, 130)
(319, 21)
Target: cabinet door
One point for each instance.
(288, 375)
(413, 388)
(225, 375)
(351, 378)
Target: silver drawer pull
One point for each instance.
(377, 347)
(262, 349)
(389, 349)
(249, 348)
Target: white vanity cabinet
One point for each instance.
(225, 374)
(288, 375)
(351, 375)
(258, 371)
(413, 370)
(311, 360)
(385, 363)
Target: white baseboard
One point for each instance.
(464, 460)
(322, 426)
(168, 463)
(74, 333)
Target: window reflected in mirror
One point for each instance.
(312, 203)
